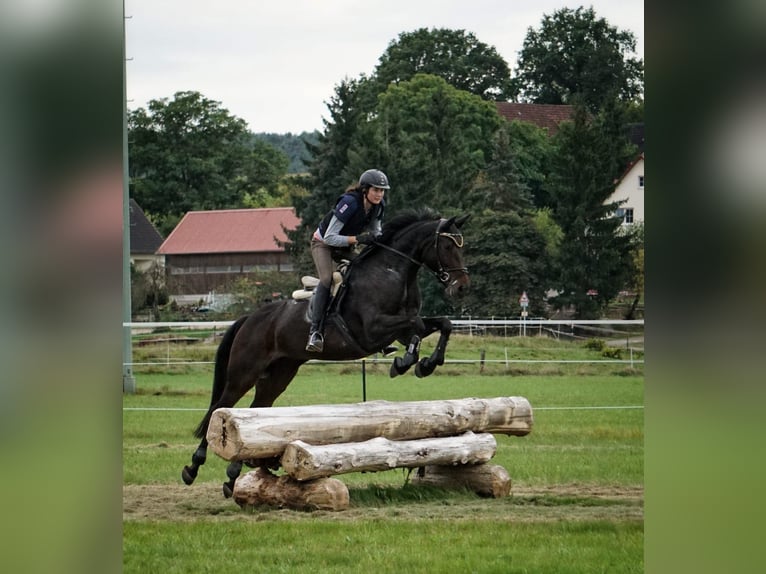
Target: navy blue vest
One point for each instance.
(350, 209)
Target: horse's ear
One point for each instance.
(461, 220)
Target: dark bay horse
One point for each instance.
(378, 305)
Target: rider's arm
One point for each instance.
(332, 236)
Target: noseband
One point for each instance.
(442, 274)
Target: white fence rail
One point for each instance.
(633, 341)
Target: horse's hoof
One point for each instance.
(188, 475)
(227, 491)
(424, 368)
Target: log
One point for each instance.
(259, 487)
(243, 434)
(303, 461)
(490, 480)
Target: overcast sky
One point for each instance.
(274, 63)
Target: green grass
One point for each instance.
(395, 546)
(560, 521)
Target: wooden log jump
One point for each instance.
(449, 441)
(246, 434)
(491, 480)
(260, 487)
(304, 461)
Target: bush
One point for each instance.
(612, 353)
(595, 344)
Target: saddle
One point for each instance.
(309, 283)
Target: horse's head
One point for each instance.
(448, 256)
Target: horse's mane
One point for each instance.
(406, 218)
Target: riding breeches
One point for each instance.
(323, 260)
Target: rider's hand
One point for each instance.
(365, 238)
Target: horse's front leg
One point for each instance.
(427, 365)
(401, 365)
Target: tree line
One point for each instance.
(427, 117)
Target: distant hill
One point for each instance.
(293, 146)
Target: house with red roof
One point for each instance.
(209, 249)
(545, 116)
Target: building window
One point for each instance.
(223, 269)
(186, 270)
(641, 181)
(260, 267)
(628, 215)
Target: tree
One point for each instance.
(505, 255)
(456, 56)
(191, 154)
(576, 54)
(531, 148)
(594, 261)
(433, 139)
(636, 281)
(507, 241)
(293, 145)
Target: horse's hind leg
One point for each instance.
(189, 473)
(232, 393)
(232, 471)
(267, 390)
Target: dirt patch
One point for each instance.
(574, 502)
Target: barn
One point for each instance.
(207, 250)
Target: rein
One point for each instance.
(442, 274)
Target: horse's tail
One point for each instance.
(219, 373)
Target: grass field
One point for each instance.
(577, 495)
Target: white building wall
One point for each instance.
(631, 188)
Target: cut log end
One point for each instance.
(490, 480)
(261, 488)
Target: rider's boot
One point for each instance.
(319, 305)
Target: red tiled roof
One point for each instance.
(546, 116)
(230, 231)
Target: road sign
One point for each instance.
(524, 300)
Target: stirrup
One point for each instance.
(389, 350)
(316, 342)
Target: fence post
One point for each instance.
(364, 380)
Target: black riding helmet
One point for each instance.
(374, 178)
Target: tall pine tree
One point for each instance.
(594, 260)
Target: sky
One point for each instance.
(275, 63)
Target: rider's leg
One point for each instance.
(319, 306)
(322, 255)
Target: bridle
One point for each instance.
(442, 273)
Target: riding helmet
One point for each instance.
(374, 178)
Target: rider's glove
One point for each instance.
(365, 238)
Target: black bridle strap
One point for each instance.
(442, 274)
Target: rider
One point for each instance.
(356, 218)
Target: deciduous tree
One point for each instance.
(575, 53)
(456, 56)
(189, 153)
